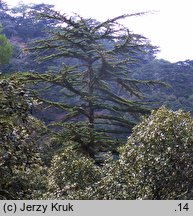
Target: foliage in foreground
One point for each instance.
(70, 174)
(20, 163)
(159, 155)
(156, 163)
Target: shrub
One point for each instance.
(158, 158)
(21, 168)
(156, 163)
(70, 174)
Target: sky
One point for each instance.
(168, 25)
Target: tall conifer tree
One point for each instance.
(101, 98)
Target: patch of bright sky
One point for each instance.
(169, 27)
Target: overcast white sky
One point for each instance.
(170, 27)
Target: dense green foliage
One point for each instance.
(158, 155)
(89, 81)
(20, 161)
(70, 174)
(5, 50)
(156, 163)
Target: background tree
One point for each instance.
(178, 75)
(27, 25)
(7, 21)
(5, 49)
(94, 77)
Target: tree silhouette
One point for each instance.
(100, 97)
